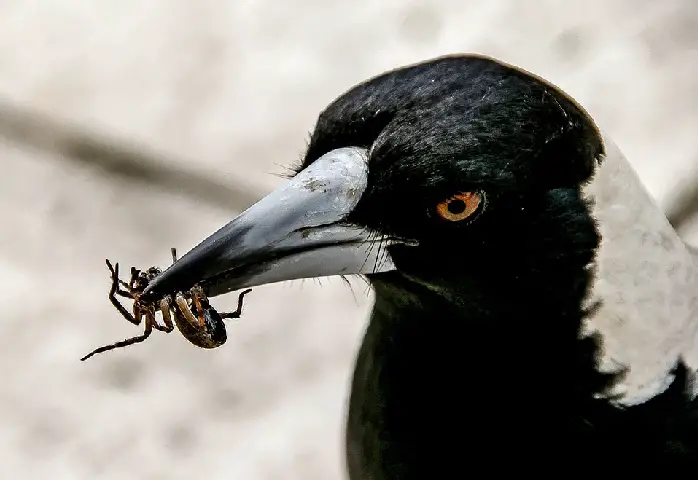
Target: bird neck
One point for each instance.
(513, 375)
(493, 332)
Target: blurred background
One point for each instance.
(129, 127)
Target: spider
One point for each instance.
(204, 329)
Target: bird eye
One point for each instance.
(460, 206)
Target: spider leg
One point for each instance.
(185, 310)
(166, 317)
(114, 271)
(135, 319)
(199, 310)
(147, 311)
(124, 293)
(115, 277)
(138, 311)
(238, 311)
(134, 276)
(123, 343)
(173, 250)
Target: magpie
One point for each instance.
(534, 310)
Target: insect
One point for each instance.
(193, 315)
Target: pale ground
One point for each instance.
(228, 91)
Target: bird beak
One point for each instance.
(297, 231)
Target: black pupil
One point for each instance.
(456, 207)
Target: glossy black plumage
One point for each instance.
(473, 360)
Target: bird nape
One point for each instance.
(492, 218)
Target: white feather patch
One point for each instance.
(646, 280)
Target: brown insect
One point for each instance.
(193, 315)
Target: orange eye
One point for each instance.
(460, 206)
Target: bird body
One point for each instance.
(534, 309)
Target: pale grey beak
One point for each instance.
(297, 231)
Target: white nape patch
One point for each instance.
(646, 280)
(642, 396)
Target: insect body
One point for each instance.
(193, 315)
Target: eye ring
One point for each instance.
(461, 206)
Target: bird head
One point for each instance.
(455, 170)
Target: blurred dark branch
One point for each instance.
(75, 144)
